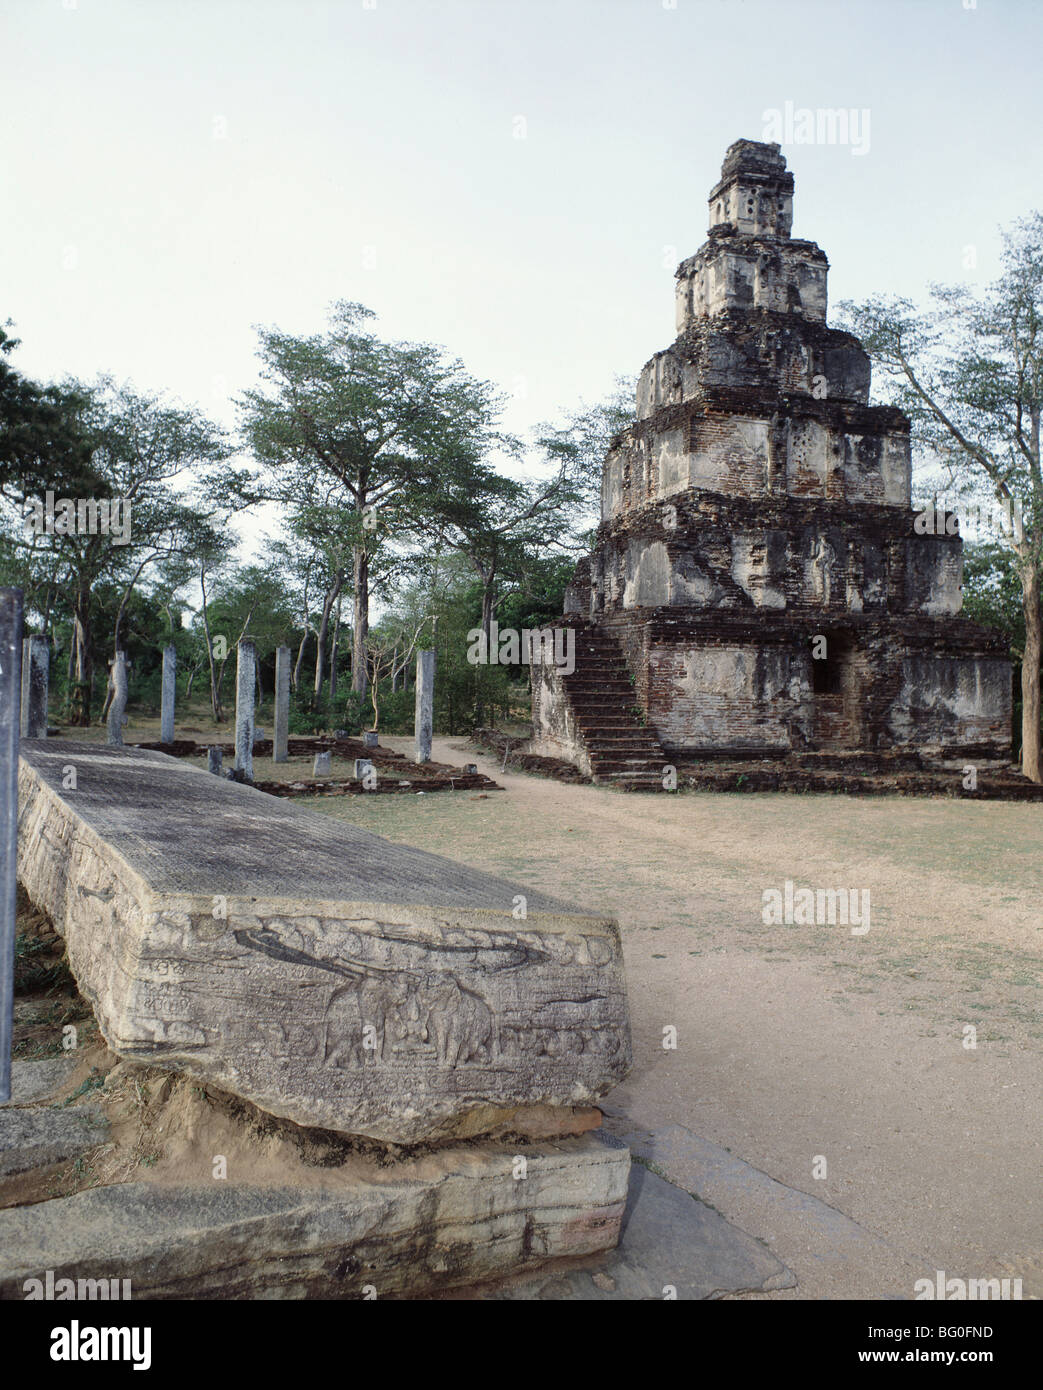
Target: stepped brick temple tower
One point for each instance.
(758, 587)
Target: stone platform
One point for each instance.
(327, 975)
(462, 1214)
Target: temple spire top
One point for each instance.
(754, 195)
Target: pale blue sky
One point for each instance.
(174, 172)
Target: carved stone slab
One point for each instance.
(326, 974)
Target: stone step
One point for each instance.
(607, 742)
(622, 750)
(631, 747)
(451, 1216)
(601, 765)
(596, 729)
(584, 685)
(592, 710)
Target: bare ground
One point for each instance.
(798, 1043)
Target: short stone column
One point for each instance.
(370, 738)
(36, 664)
(281, 733)
(213, 760)
(169, 694)
(118, 706)
(425, 704)
(245, 685)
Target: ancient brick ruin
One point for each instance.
(757, 506)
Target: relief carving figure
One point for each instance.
(855, 578)
(459, 1021)
(344, 1030)
(822, 560)
(434, 1015)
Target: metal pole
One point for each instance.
(10, 691)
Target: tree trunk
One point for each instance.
(360, 561)
(80, 701)
(110, 692)
(334, 646)
(296, 676)
(1030, 709)
(488, 608)
(320, 637)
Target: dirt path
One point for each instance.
(797, 1043)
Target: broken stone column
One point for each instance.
(350, 984)
(169, 694)
(118, 707)
(36, 661)
(213, 760)
(281, 732)
(425, 704)
(245, 684)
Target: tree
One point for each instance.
(152, 477)
(366, 415)
(41, 444)
(240, 603)
(581, 441)
(388, 651)
(969, 373)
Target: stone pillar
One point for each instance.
(213, 761)
(166, 725)
(425, 704)
(370, 738)
(10, 693)
(36, 663)
(280, 736)
(245, 685)
(118, 707)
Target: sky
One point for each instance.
(514, 179)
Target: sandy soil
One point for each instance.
(801, 1042)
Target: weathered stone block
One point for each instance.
(323, 973)
(457, 1216)
(38, 1138)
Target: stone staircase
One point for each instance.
(623, 752)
